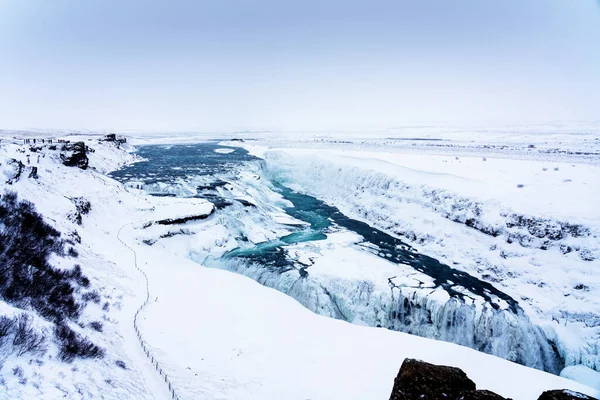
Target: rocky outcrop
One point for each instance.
(74, 155)
(418, 380)
(112, 137)
(169, 234)
(212, 185)
(245, 203)
(480, 395)
(183, 220)
(82, 207)
(564, 394)
(14, 171)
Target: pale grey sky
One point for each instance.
(233, 65)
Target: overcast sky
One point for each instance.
(309, 64)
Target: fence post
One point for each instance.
(137, 313)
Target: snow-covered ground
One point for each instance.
(529, 225)
(221, 335)
(103, 260)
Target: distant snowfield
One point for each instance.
(549, 188)
(220, 335)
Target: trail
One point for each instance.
(165, 390)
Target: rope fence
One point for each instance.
(143, 344)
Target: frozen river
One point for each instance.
(415, 293)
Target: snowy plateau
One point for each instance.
(299, 265)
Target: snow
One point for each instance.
(562, 191)
(285, 219)
(433, 202)
(221, 335)
(249, 342)
(224, 151)
(583, 374)
(181, 209)
(106, 263)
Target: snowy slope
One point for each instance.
(105, 262)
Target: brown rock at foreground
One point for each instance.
(418, 380)
(480, 395)
(564, 394)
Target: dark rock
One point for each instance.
(169, 234)
(33, 174)
(245, 203)
(163, 194)
(183, 220)
(212, 185)
(564, 394)
(17, 167)
(74, 155)
(175, 221)
(220, 203)
(480, 395)
(418, 380)
(112, 137)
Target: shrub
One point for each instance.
(74, 345)
(120, 364)
(26, 278)
(72, 252)
(93, 296)
(18, 371)
(74, 237)
(6, 326)
(27, 339)
(78, 276)
(97, 326)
